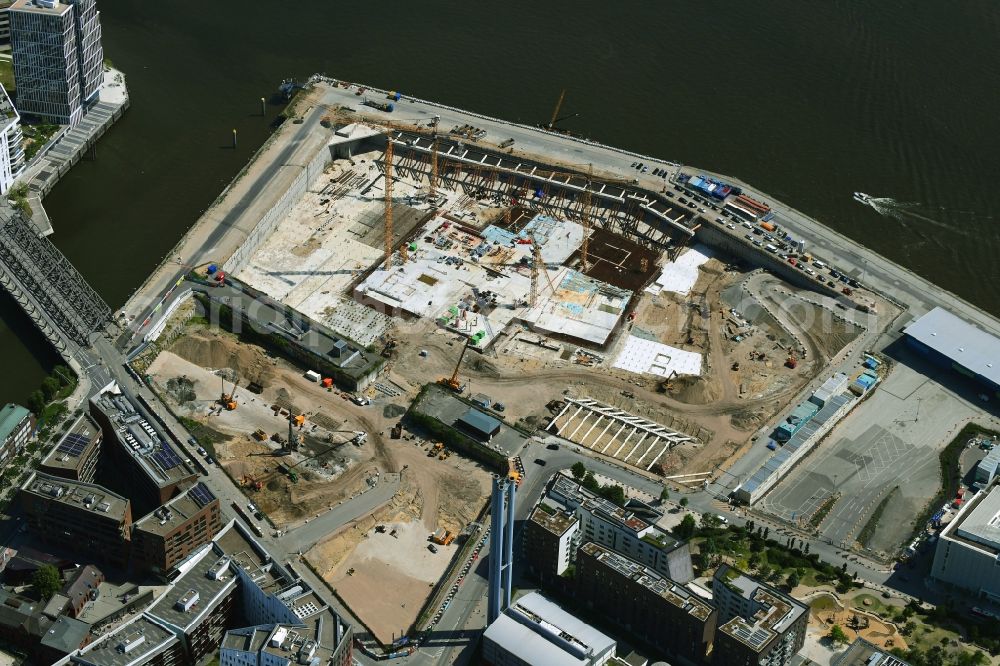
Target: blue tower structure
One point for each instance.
(502, 546)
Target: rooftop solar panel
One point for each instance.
(201, 494)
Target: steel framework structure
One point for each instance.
(48, 277)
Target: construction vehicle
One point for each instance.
(259, 435)
(736, 366)
(397, 431)
(453, 382)
(667, 385)
(250, 482)
(442, 537)
(792, 361)
(228, 400)
(359, 438)
(552, 126)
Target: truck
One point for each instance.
(313, 376)
(768, 226)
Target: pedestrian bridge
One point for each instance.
(48, 287)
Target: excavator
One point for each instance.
(667, 385)
(453, 382)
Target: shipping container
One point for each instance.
(767, 225)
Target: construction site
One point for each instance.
(426, 244)
(539, 298)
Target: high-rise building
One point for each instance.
(76, 455)
(167, 536)
(643, 602)
(11, 142)
(548, 542)
(86, 517)
(622, 530)
(758, 625)
(156, 472)
(58, 57)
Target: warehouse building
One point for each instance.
(479, 425)
(968, 548)
(955, 343)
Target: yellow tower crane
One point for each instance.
(432, 190)
(585, 219)
(537, 265)
(388, 203)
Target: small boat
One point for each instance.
(861, 197)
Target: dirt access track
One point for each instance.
(722, 408)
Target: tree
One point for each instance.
(578, 470)
(685, 529)
(36, 401)
(909, 627)
(664, 494)
(684, 502)
(46, 581)
(792, 581)
(837, 635)
(590, 482)
(613, 493)
(767, 530)
(807, 548)
(50, 387)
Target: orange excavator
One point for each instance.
(453, 382)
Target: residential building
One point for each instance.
(168, 535)
(534, 630)
(76, 455)
(58, 57)
(16, 426)
(234, 579)
(143, 464)
(548, 541)
(85, 517)
(863, 653)
(621, 530)
(280, 644)
(140, 641)
(644, 602)
(11, 141)
(967, 554)
(757, 625)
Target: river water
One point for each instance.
(808, 101)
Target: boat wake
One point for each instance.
(902, 211)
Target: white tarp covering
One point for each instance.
(647, 357)
(679, 276)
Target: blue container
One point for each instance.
(539, 194)
(389, 107)
(212, 268)
(395, 97)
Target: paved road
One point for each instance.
(305, 536)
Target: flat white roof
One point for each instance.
(957, 339)
(680, 276)
(539, 632)
(643, 356)
(982, 523)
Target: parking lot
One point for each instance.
(891, 440)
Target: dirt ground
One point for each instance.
(187, 372)
(387, 578)
(722, 408)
